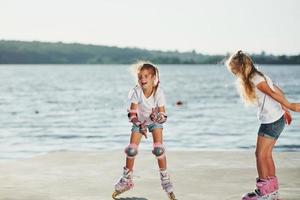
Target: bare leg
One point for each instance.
(162, 163)
(135, 138)
(158, 138)
(263, 147)
(270, 162)
(125, 182)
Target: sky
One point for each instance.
(207, 26)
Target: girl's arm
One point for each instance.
(279, 91)
(264, 87)
(132, 115)
(133, 106)
(287, 115)
(161, 109)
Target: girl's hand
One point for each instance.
(141, 125)
(154, 114)
(136, 121)
(295, 107)
(143, 129)
(288, 117)
(158, 117)
(162, 118)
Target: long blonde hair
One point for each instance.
(243, 67)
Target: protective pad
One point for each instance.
(131, 150)
(158, 150)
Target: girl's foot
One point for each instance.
(263, 191)
(124, 184)
(166, 184)
(274, 187)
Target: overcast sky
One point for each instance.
(208, 26)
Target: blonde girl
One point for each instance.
(273, 112)
(146, 113)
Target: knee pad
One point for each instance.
(158, 150)
(131, 150)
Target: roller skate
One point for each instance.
(166, 184)
(262, 191)
(124, 184)
(274, 187)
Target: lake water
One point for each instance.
(46, 108)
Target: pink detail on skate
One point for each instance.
(273, 183)
(265, 190)
(263, 185)
(123, 186)
(125, 182)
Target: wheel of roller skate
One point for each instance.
(171, 196)
(115, 194)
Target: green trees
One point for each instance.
(19, 52)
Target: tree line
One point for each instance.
(35, 52)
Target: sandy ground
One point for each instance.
(91, 176)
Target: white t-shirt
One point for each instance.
(270, 110)
(145, 105)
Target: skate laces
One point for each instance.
(127, 176)
(164, 176)
(127, 173)
(165, 181)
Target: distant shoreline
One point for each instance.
(35, 52)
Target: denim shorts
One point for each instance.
(150, 127)
(272, 130)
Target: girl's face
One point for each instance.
(146, 79)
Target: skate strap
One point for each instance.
(164, 175)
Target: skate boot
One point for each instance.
(166, 184)
(274, 187)
(262, 191)
(124, 183)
